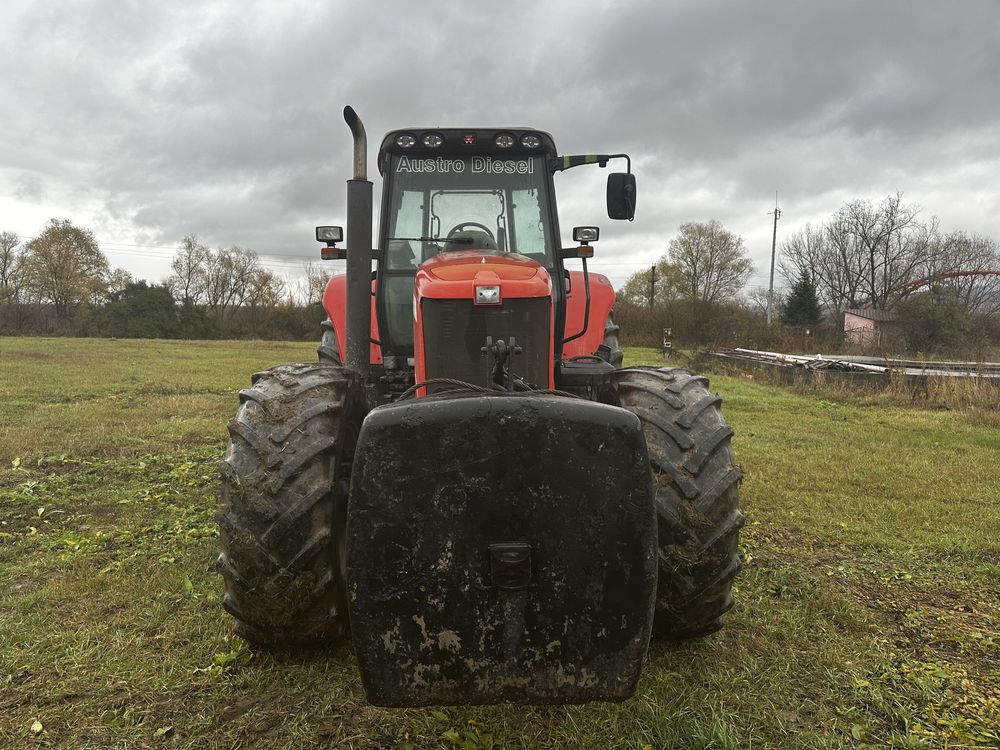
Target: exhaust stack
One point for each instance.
(359, 252)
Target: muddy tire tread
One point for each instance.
(289, 443)
(697, 496)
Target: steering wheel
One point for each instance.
(459, 228)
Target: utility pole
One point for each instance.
(774, 242)
(652, 285)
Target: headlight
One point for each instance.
(406, 140)
(504, 140)
(432, 140)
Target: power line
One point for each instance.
(264, 258)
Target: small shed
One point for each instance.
(869, 326)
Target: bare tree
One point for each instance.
(756, 299)
(959, 251)
(118, 279)
(189, 281)
(230, 274)
(265, 289)
(891, 243)
(829, 255)
(315, 283)
(866, 253)
(712, 262)
(11, 268)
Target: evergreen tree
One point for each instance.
(802, 306)
(141, 311)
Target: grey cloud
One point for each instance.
(225, 120)
(29, 187)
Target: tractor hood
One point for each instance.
(455, 275)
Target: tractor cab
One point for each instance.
(458, 191)
(469, 242)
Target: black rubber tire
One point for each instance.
(610, 350)
(697, 496)
(328, 351)
(283, 503)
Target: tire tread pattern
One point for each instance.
(289, 445)
(697, 496)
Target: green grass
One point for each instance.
(867, 612)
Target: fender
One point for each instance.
(335, 304)
(602, 299)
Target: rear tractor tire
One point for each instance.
(283, 502)
(697, 496)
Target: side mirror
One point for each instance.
(331, 236)
(621, 195)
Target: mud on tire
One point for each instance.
(697, 496)
(282, 503)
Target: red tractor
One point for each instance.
(468, 483)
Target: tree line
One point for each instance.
(866, 255)
(882, 255)
(61, 283)
(871, 253)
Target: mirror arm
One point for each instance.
(626, 157)
(562, 163)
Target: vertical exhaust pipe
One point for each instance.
(359, 252)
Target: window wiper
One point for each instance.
(457, 240)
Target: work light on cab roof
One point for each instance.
(432, 140)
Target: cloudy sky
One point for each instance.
(145, 121)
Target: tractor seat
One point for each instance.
(477, 240)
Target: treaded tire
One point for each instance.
(610, 350)
(328, 351)
(697, 496)
(283, 502)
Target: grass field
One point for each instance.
(867, 616)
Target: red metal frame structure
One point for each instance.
(947, 275)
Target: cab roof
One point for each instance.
(464, 142)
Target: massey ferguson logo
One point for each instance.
(476, 165)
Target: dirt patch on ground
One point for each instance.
(959, 625)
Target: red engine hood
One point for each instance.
(454, 275)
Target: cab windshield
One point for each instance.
(468, 202)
